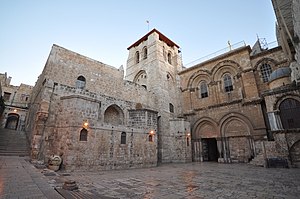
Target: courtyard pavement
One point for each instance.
(19, 179)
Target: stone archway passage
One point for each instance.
(12, 121)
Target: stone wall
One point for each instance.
(17, 104)
(59, 121)
(236, 118)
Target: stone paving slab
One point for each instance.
(20, 179)
(191, 181)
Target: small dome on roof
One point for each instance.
(279, 73)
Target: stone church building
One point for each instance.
(240, 106)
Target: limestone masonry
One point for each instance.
(240, 106)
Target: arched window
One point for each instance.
(83, 135)
(150, 138)
(265, 70)
(145, 52)
(164, 54)
(171, 107)
(137, 57)
(141, 78)
(169, 58)
(123, 138)
(290, 113)
(203, 90)
(80, 82)
(227, 83)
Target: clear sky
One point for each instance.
(103, 29)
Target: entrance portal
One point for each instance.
(12, 121)
(210, 149)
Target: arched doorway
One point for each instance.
(12, 121)
(290, 113)
(237, 141)
(205, 138)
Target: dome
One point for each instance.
(279, 73)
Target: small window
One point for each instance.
(144, 86)
(137, 57)
(265, 71)
(203, 90)
(145, 53)
(171, 108)
(22, 97)
(227, 83)
(6, 96)
(169, 58)
(187, 141)
(80, 83)
(123, 138)
(83, 135)
(150, 138)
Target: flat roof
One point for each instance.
(161, 37)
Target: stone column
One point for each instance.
(219, 145)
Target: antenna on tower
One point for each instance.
(147, 21)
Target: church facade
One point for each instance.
(240, 106)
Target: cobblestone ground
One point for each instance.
(20, 179)
(192, 180)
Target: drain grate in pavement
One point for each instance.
(80, 195)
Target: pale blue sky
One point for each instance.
(103, 29)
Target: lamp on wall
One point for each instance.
(15, 110)
(85, 124)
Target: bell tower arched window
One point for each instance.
(145, 53)
(137, 57)
(227, 83)
(169, 58)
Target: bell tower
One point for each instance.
(154, 62)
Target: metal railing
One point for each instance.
(227, 49)
(217, 53)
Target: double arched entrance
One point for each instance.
(12, 121)
(229, 140)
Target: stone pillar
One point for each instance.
(226, 150)
(219, 145)
(201, 151)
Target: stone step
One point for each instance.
(13, 143)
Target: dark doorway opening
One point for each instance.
(12, 121)
(210, 149)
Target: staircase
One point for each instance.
(13, 143)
